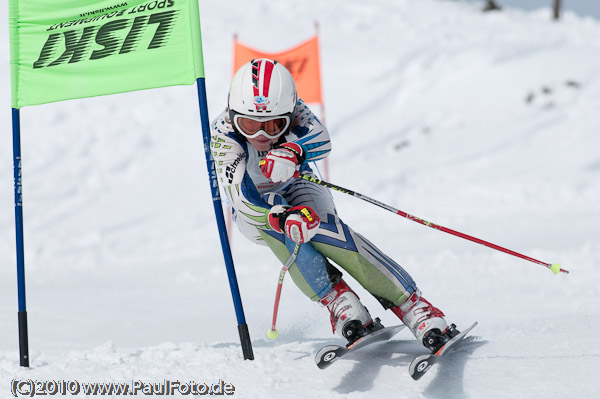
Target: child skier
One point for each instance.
(264, 136)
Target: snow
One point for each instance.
(427, 104)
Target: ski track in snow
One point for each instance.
(484, 123)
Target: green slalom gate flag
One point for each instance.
(66, 49)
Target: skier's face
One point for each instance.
(262, 143)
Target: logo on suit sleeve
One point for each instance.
(230, 169)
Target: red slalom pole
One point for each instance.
(554, 267)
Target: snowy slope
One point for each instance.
(484, 123)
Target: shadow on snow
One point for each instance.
(446, 384)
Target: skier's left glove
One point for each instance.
(299, 223)
(281, 162)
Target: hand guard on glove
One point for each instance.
(280, 163)
(299, 223)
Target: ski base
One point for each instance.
(331, 353)
(420, 365)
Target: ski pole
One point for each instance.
(554, 267)
(272, 332)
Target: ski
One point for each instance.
(420, 365)
(330, 353)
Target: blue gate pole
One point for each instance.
(216, 197)
(23, 341)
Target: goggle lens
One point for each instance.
(272, 127)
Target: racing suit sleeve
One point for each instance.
(229, 154)
(309, 133)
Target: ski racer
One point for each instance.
(258, 142)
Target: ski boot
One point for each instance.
(425, 321)
(349, 317)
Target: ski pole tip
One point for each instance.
(555, 267)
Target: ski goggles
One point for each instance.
(270, 127)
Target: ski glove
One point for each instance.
(299, 223)
(280, 163)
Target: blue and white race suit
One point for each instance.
(252, 195)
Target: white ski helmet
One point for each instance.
(262, 99)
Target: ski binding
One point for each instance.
(420, 365)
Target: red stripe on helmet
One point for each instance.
(267, 78)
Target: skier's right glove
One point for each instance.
(299, 223)
(280, 163)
